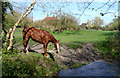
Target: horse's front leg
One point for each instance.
(45, 49)
(25, 44)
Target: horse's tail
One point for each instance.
(24, 27)
(23, 32)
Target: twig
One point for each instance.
(85, 9)
(102, 5)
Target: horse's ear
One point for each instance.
(58, 40)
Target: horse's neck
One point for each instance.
(53, 40)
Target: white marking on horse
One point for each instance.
(58, 48)
(27, 50)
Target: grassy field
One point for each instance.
(83, 36)
(71, 36)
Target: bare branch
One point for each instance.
(85, 9)
(78, 6)
(102, 5)
(110, 6)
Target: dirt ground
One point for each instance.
(86, 54)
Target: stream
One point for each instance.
(96, 68)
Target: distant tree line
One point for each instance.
(64, 22)
(112, 26)
(97, 24)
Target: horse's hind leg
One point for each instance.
(26, 39)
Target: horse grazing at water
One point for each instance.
(40, 36)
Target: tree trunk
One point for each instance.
(27, 11)
(5, 32)
(119, 23)
(7, 36)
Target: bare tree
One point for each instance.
(27, 11)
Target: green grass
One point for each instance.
(83, 36)
(75, 39)
(71, 36)
(31, 65)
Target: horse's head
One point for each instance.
(57, 46)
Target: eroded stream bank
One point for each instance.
(70, 58)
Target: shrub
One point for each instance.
(110, 48)
(7, 52)
(33, 64)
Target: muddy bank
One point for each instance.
(69, 57)
(83, 55)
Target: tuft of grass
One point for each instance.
(76, 65)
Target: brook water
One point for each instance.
(96, 68)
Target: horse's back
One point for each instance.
(35, 29)
(37, 34)
(27, 29)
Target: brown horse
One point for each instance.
(40, 36)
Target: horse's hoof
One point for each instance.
(46, 56)
(58, 52)
(26, 52)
